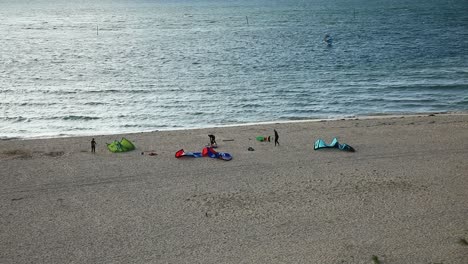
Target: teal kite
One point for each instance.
(319, 144)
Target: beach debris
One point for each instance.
(319, 144)
(18, 154)
(123, 145)
(228, 140)
(149, 153)
(251, 149)
(375, 259)
(463, 241)
(55, 153)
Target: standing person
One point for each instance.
(93, 146)
(276, 137)
(212, 141)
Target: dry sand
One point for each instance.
(402, 197)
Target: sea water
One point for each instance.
(98, 67)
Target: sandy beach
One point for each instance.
(402, 197)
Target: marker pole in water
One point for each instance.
(97, 30)
(247, 20)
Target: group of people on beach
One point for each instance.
(212, 141)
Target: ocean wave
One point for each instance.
(430, 87)
(142, 125)
(16, 119)
(416, 100)
(463, 102)
(78, 117)
(117, 91)
(95, 103)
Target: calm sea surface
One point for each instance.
(92, 67)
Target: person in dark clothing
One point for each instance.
(276, 137)
(212, 140)
(93, 146)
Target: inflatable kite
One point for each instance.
(263, 139)
(182, 153)
(206, 152)
(123, 145)
(319, 144)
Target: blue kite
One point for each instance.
(206, 152)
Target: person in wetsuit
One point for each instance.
(212, 140)
(276, 137)
(93, 146)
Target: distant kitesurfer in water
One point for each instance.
(328, 39)
(276, 137)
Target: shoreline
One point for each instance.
(292, 121)
(400, 197)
